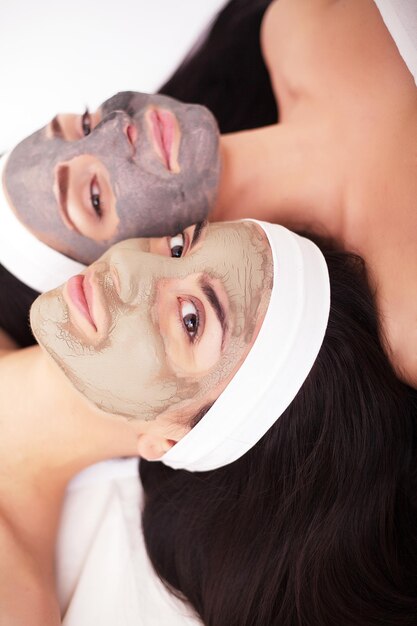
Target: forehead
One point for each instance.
(239, 255)
(229, 239)
(235, 255)
(229, 246)
(230, 251)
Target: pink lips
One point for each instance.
(163, 130)
(80, 292)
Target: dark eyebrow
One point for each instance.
(63, 180)
(56, 128)
(215, 303)
(198, 230)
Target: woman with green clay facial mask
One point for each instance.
(141, 343)
(189, 350)
(141, 165)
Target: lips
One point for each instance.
(80, 292)
(163, 132)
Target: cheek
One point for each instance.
(134, 360)
(212, 385)
(133, 195)
(123, 378)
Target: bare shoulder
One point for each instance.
(287, 18)
(25, 598)
(306, 43)
(300, 45)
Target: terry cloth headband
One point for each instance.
(277, 365)
(27, 258)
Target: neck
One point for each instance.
(49, 433)
(271, 173)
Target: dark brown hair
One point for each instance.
(316, 524)
(227, 73)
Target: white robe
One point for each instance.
(104, 576)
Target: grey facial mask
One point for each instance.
(151, 200)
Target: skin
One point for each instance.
(41, 450)
(153, 342)
(342, 162)
(93, 180)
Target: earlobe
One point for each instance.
(152, 447)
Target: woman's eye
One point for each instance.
(86, 123)
(95, 197)
(190, 318)
(176, 245)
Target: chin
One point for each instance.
(35, 319)
(46, 313)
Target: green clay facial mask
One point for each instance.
(150, 168)
(140, 333)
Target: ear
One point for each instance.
(153, 446)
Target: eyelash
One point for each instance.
(86, 123)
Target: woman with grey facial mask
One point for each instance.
(141, 165)
(248, 364)
(340, 78)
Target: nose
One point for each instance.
(114, 133)
(138, 272)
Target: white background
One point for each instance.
(63, 55)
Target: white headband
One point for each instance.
(277, 365)
(27, 258)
